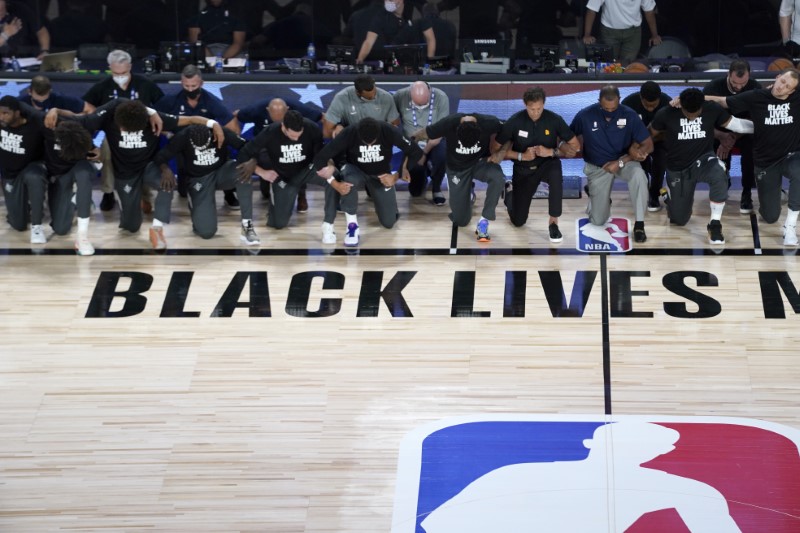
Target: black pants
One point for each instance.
(525, 181)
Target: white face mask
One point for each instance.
(421, 107)
(121, 80)
(391, 7)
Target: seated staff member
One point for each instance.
(286, 150)
(468, 138)
(536, 135)
(133, 144)
(207, 169)
(40, 95)
(352, 104)
(364, 153)
(688, 136)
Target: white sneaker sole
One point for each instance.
(248, 243)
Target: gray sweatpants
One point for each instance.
(600, 183)
(284, 195)
(769, 180)
(203, 201)
(129, 192)
(24, 189)
(385, 198)
(60, 196)
(460, 186)
(682, 184)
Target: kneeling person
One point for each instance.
(688, 134)
(208, 170)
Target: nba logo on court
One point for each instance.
(634, 474)
(613, 236)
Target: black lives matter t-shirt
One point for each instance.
(20, 146)
(524, 132)
(776, 123)
(463, 157)
(199, 161)
(687, 140)
(286, 157)
(131, 151)
(372, 159)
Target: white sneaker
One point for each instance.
(789, 236)
(37, 235)
(82, 244)
(352, 236)
(249, 235)
(328, 235)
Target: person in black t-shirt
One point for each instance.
(537, 136)
(364, 155)
(775, 113)
(133, 144)
(646, 102)
(120, 84)
(468, 139)
(285, 151)
(207, 169)
(390, 27)
(688, 135)
(737, 81)
(24, 176)
(223, 34)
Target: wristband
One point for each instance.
(4, 35)
(519, 156)
(150, 111)
(330, 180)
(210, 123)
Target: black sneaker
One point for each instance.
(746, 204)
(638, 232)
(555, 234)
(653, 204)
(231, 202)
(108, 202)
(715, 232)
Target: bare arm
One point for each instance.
(366, 46)
(587, 27)
(430, 38)
(786, 27)
(329, 129)
(236, 46)
(43, 36)
(234, 126)
(650, 17)
(721, 100)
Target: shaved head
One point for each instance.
(420, 93)
(277, 109)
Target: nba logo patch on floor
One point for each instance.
(636, 474)
(612, 237)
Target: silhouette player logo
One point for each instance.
(613, 236)
(581, 473)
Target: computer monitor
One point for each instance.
(599, 53)
(340, 54)
(480, 49)
(409, 58)
(174, 56)
(59, 62)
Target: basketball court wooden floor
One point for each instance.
(277, 389)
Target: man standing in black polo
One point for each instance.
(217, 27)
(537, 136)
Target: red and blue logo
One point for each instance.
(611, 237)
(634, 474)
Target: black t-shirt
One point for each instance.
(776, 123)
(198, 161)
(285, 156)
(217, 24)
(463, 157)
(719, 87)
(634, 101)
(139, 88)
(131, 151)
(374, 159)
(687, 140)
(395, 30)
(20, 146)
(55, 163)
(524, 133)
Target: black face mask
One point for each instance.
(45, 105)
(193, 94)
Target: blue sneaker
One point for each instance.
(482, 231)
(351, 237)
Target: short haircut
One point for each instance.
(199, 135)
(534, 94)
(740, 67)
(73, 139)
(468, 133)
(368, 130)
(293, 120)
(41, 85)
(692, 99)
(609, 92)
(118, 56)
(190, 71)
(650, 91)
(10, 102)
(131, 115)
(793, 72)
(364, 82)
